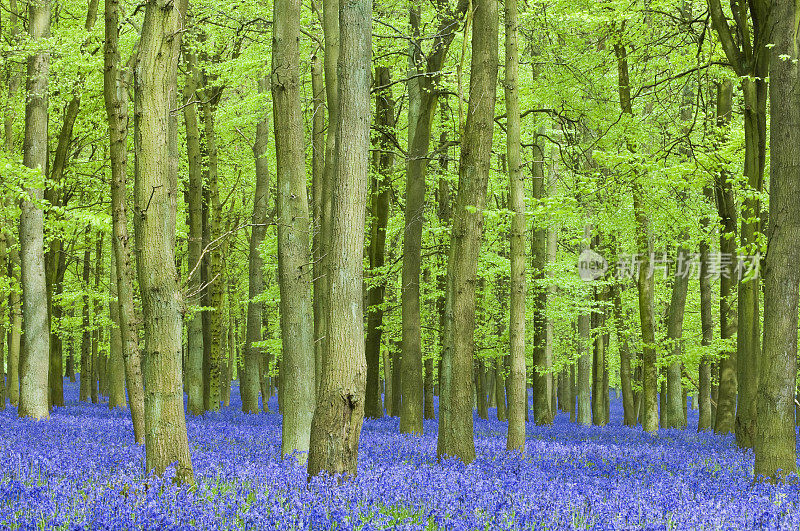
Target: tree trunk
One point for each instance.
(541, 398)
(599, 393)
(726, 206)
(517, 380)
(318, 191)
(339, 414)
(707, 325)
(15, 335)
(480, 389)
(85, 392)
(423, 96)
(115, 92)
(253, 362)
(500, 390)
(155, 188)
(96, 308)
(116, 366)
(675, 411)
(34, 362)
(194, 247)
(645, 282)
(467, 231)
(629, 413)
(583, 384)
(383, 160)
(294, 251)
(775, 439)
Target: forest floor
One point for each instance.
(81, 469)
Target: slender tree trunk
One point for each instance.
(194, 208)
(155, 188)
(294, 226)
(516, 201)
(14, 336)
(629, 413)
(253, 362)
(318, 190)
(467, 231)
(339, 414)
(34, 362)
(115, 94)
(116, 366)
(584, 382)
(775, 438)
(480, 389)
(541, 398)
(726, 206)
(674, 414)
(500, 389)
(707, 325)
(85, 392)
(383, 160)
(96, 308)
(599, 392)
(645, 282)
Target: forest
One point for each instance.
(446, 264)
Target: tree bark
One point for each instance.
(116, 366)
(467, 231)
(318, 200)
(707, 325)
(726, 206)
(339, 414)
(34, 362)
(383, 160)
(294, 225)
(115, 93)
(675, 410)
(85, 391)
(155, 188)
(775, 438)
(517, 378)
(96, 309)
(645, 282)
(539, 390)
(253, 363)
(423, 96)
(194, 247)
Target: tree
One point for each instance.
(294, 224)
(115, 96)
(775, 438)
(383, 160)
(746, 47)
(423, 96)
(34, 362)
(467, 229)
(339, 414)
(155, 188)
(517, 378)
(250, 380)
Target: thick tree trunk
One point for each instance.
(383, 160)
(339, 414)
(34, 362)
(726, 206)
(467, 231)
(155, 188)
(115, 94)
(253, 362)
(775, 439)
(294, 226)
